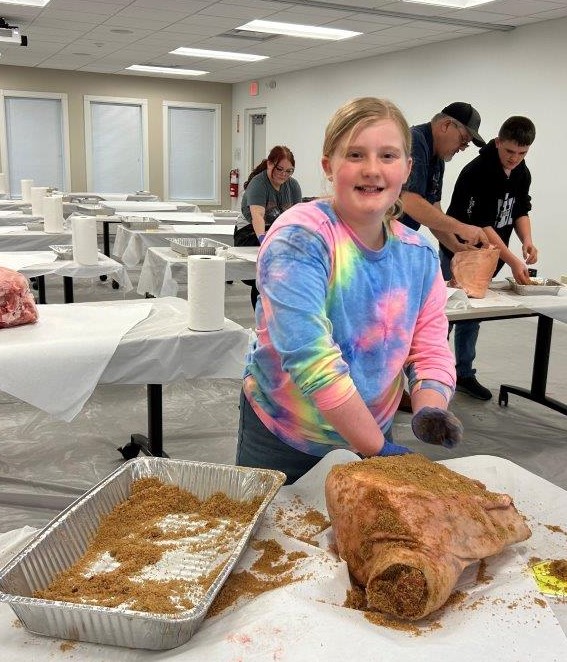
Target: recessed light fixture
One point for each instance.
(218, 55)
(296, 30)
(26, 3)
(166, 70)
(460, 4)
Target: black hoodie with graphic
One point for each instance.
(486, 197)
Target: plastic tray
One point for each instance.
(63, 251)
(197, 246)
(67, 537)
(539, 286)
(141, 223)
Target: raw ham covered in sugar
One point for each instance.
(472, 270)
(407, 527)
(17, 305)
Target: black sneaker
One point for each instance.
(471, 386)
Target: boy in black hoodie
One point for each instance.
(492, 192)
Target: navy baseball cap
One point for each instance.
(468, 116)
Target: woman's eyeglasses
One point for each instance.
(289, 172)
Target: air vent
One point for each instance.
(249, 35)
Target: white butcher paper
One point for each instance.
(55, 364)
(306, 622)
(17, 260)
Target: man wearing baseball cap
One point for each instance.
(434, 143)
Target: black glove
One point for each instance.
(437, 426)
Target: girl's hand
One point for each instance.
(390, 448)
(437, 426)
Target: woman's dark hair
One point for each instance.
(277, 154)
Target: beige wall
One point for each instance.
(156, 90)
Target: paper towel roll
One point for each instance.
(84, 239)
(205, 292)
(37, 195)
(3, 184)
(26, 185)
(53, 213)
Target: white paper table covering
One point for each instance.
(11, 229)
(140, 205)
(162, 349)
(130, 246)
(18, 219)
(105, 266)
(164, 270)
(190, 217)
(22, 239)
(305, 622)
(55, 364)
(249, 253)
(552, 306)
(20, 259)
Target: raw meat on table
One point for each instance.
(17, 305)
(407, 527)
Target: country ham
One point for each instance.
(472, 270)
(17, 305)
(407, 527)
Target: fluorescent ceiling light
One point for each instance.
(218, 55)
(167, 70)
(26, 3)
(461, 4)
(295, 30)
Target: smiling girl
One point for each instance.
(350, 299)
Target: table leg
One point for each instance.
(539, 371)
(41, 289)
(106, 238)
(68, 289)
(152, 444)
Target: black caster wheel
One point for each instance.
(503, 399)
(115, 285)
(129, 450)
(103, 278)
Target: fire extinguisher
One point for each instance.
(234, 176)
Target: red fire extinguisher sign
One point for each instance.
(234, 176)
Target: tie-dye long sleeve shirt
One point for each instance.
(335, 317)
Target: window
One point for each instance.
(192, 152)
(116, 141)
(35, 139)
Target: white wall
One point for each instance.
(522, 72)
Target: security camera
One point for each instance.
(11, 34)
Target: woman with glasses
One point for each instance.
(269, 190)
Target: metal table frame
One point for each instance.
(542, 351)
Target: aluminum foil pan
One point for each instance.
(197, 246)
(140, 223)
(539, 286)
(63, 251)
(67, 537)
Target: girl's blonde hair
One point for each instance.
(357, 114)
